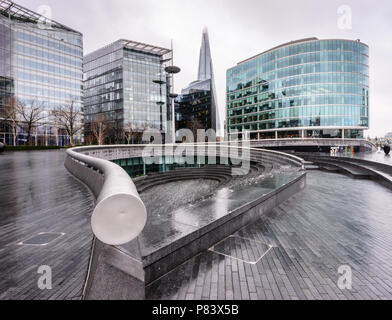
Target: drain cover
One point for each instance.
(42, 239)
(245, 250)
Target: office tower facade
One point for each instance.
(41, 66)
(308, 88)
(126, 90)
(196, 107)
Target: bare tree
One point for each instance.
(100, 129)
(194, 126)
(12, 118)
(30, 116)
(129, 132)
(147, 126)
(69, 118)
(135, 132)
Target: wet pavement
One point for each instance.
(336, 221)
(37, 195)
(380, 157)
(292, 253)
(171, 220)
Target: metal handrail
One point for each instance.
(120, 215)
(122, 146)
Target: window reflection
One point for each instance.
(316, 83)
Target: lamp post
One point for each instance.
(160, 103)
(171, 71)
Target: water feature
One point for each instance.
(137, 167)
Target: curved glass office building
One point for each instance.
(308, 88)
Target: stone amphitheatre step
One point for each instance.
(382, 173)
(385, 178)
(328, 168)
(311, 167)
(352, 170)
(190, 170)
(174, 174)
(222, 174)
(149, 182)
(214, 169)
(187, 172)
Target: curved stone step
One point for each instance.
(325, 167)
(352, 170)
(172, 176)
(150, 184)
(185, 172)
(379, 172)
(222, 174)
(385, 178)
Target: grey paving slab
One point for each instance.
(38, 195)
(335, 221)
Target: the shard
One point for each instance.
(205, 61)
(206, 81)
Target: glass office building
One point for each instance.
(41, 65)
(196, 107)
(308, 88)
(126, 87)
(193, 110)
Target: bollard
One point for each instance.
(387, 149)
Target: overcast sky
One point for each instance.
(238, 29)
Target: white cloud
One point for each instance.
(238, 30)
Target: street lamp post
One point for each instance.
(160, 103)
(171, 121)
(172, 70)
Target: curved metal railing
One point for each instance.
(116, 152)
(120, 215)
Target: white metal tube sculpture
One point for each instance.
(120, 215)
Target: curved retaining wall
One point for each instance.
(363, 144)
(120, 215)
(117, 152)
(377, 171)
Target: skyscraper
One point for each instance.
(308, 88)
(205, 61)
(126, 89)
(196, 107)
(40, 65)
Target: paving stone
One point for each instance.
(37, 195)
(313, 234)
